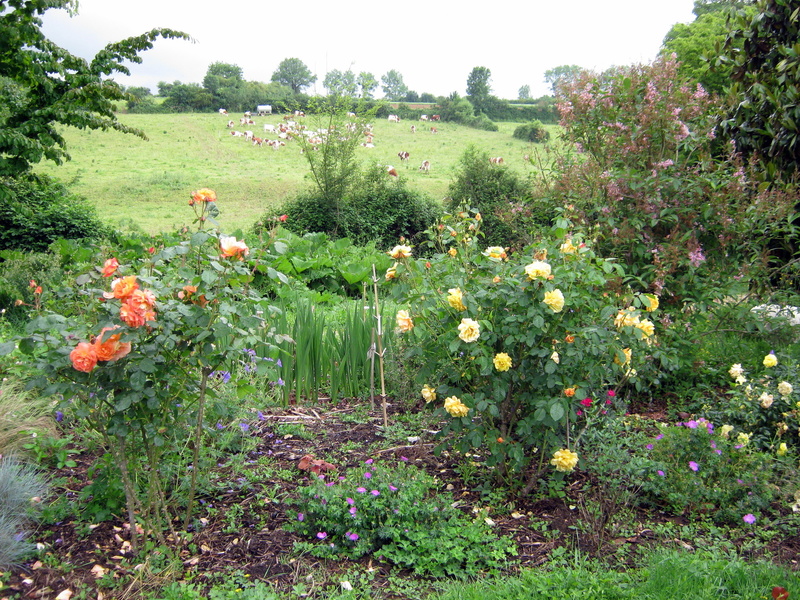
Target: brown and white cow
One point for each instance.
(425, 167)
(496, 160)
(403, 156)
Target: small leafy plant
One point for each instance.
(391, 511)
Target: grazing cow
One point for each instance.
(248, 135)
(368, 145)
(257, 141)
(222, 111)
(248, 114)
(434, 130)
(269, 127)
(413, 129)
(299, 113)
(231, 124)
(425, 167)
(435, 117)
(393, 119)
(496, 160)
(404, 156)
(391, 171)
(423, 117)
(237, 134)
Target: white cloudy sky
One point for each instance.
(434, 44)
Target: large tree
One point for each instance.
(294, 73)
(762, 52)
(367, 84)
(341, 83)
(561, 74)
(393, 86)
(479, 88)
(43, 86)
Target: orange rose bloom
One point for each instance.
(84, 357)
(122, 288)
(569, 392)
(109, 267)
(138, 309)
(232, 248)
(111, 348)
(203, 195)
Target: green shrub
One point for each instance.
(493, 190)
(534, 131)
(36, 211)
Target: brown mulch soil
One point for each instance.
(76, 554)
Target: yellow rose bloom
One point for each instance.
(725, 430)
(428, 393)
(568, 248)
(785, 388)
(469, 330)
(765, 400)
(652, 302)
(770, 360)
(538, 269)
(646, 326)
(555, 300)
(743, 438)
(502, 361)
(564, 460)
(404, 321)
(626, 318)
(495, 253)
(628, 353)
(455, 299)
(399, 252)
(452, 252)
(782, 449)
(496, 279)
(391, 272)
(455, 407)
(555, 357)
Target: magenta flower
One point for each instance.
(367, 475)
(693, 465)
(353, 510)
(300, 516)
(350, 501)
(391, 487)
(369, 461)
(322, 535)
(351, 536)
(375, 493)
(361, 490)
(661, 473)
(649, 446)
(749, 519)
(611, 393)
(404, 458)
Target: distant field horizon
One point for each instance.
(145, 185)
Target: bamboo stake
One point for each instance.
(380, 345)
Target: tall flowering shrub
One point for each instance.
(136, 356)
(516, 347)
(654, 185)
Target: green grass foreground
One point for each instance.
(138, 185)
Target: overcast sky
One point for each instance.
(434, 44)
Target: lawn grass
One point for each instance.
(135, 184)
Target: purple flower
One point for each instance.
(361, 490)
(244, 426)
(375, 493)
(693, 465)
(330, 483)
(403, 458)
(281, 381)
(223, 375)
(649, 446)
(367, 475)
(300, 516)
(691, 424)
(351, 536)
(279, 363)
(220, 425)
(369, 461)
(350, 501)
(661, 473)
(391, 487)
(749, 519)
(353, 510)
(659, 436)
(59, 416)
(261, 416)
(322, 535)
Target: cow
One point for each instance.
(222, 111)
(413, 129)
(248, 135)
(299, 113)
(496, 160)
(268, 127)
(237, 134)
(423, 117)
(435, 117)
(391, 171)
(257, 141)
(434, 130)
(393, 119)
(231, 124)
(425, 167)
(403, 156)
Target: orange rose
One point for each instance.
(111, 348)
(122, 288)
(570, 338)
(109, 267)
(203, 195)
(136, 314)
(84, 357)
(232, 248)
(569, 392)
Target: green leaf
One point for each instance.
(557, 412)
(7, 348)
(244, 389)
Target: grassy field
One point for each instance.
(144, 185)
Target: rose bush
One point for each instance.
(502, 335)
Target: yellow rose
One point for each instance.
(555, 357)
(404, 321)
(428, 393)
(765, 400)
(555, 300)
(455, 299)
(455, 407)
(770, 360)
(743, 438)
(564, 460)
(725, 430)
(538, 269)
(495, 253)
(502, 361)
(391, 272)
(568, 248)
(233, 248)
(652, 302)
(785, 388)
(469, 330)
(452, 252)
(496, 279)
(627, 352)
(782, 449)
(646, 326)
(626, 318)
(399, 252)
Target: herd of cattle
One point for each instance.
(292, 128)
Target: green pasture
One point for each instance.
(144, 185)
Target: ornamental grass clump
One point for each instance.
(500, 336)
(394, 511)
